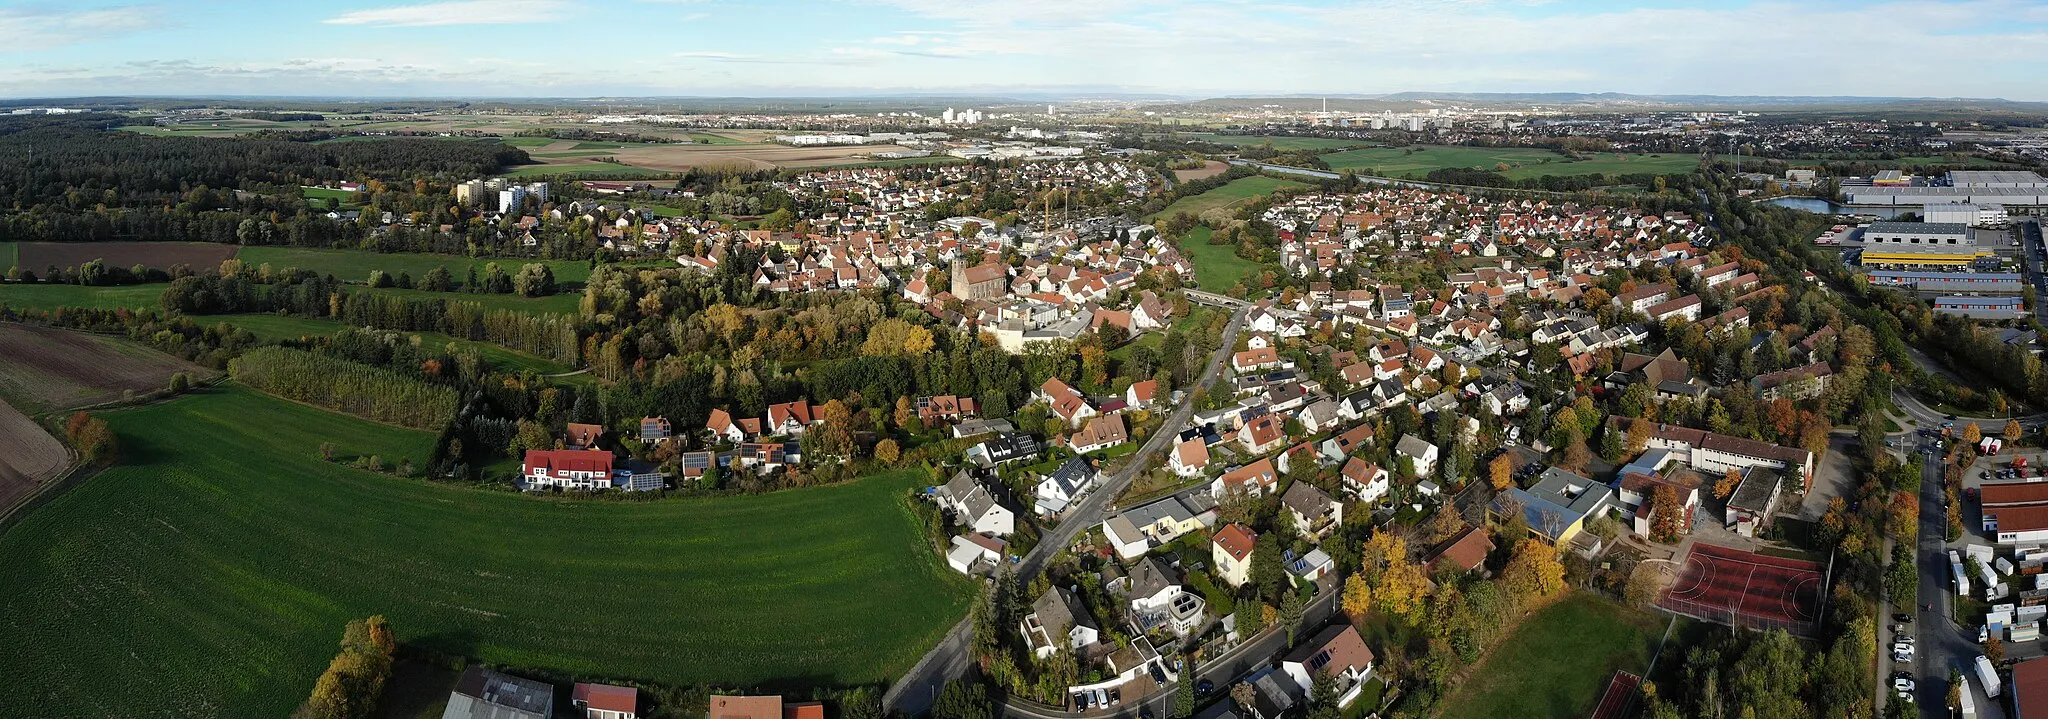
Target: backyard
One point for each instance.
(1558, 661)
(210, 572)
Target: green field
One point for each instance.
(10, 255)
(1558, 661)
(44, 297)
(355, 265)
(705, 138)
(211, 573)
(326, 193)
(1217, 267)
(593, 169)
(1281, 143)
(1239, 190)
(1522, 162)
(283, 327)
(528, 141)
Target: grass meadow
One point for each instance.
(1556, 664)
(1281, 143)
(1217, 267)
(284, 327)
(37, 296)
(1522, 162)
(355, 265)
(1239, 190)
(211, 572)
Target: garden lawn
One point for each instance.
(1558, 661)
(285, 327)
(1217, 267)
(211, 573)
(1238, 190)
(46, 297)
(355, 265)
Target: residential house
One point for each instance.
(655, 430)
(762, 707)
(791, 418)
(1255, 479)
(1004, 447)
(1058, 621)
(1230, 548)
(1337, 652)
(1795, 383)
(1364, 480)
(724, 428)
(1314, 512)
(974, 554)
(484, 694)
(1157, 598)
(1255, 360)
(582, 436)
(605, 701)
(1465, 553)
(1072, 479)
(1190, 458)
(975, 507)
(1140, 529)
(1141, 395)
(1261, 435)
(584, 469)
(1342, 444)
(1422, 454)
(1101, 433)
(1066, 402)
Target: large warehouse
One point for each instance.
(2015, 512)
(2019, 192)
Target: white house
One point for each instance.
(973, 554)
(1364, 480)
(1338, 652)
(1064, 485)
(1423, 454)
(1230, 548)
(1190, 458)
(973, 506)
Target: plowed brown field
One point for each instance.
(39, 256)
(51, 369)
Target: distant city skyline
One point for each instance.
(587, 48)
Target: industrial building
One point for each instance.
(1912, 245)
(2015, 512)
(1982, 308)
(1951, 282)
(2017, 192)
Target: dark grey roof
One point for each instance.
(1151, 576)
(485, 694)
(1059, 611)
(1305, 498)
(1073, 474)
(1757, 491)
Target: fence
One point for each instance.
(1733, 617)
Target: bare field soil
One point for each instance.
(38, 256)
(32, 456)
(1209, 169)
(51, 369)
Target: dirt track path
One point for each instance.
(31, 458)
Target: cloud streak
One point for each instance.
(456, 12)
(33, 30)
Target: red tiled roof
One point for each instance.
(607, 697)
(1236, 540)
(560, 462)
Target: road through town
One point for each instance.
(915, 692)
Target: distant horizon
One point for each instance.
(1188, 49)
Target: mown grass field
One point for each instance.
(1217, 267)
(322, 194)
(210, 574)
(355, 265)
(283, 327)
(1239, 190)
(38, 296)
(1558, 661)
(1419, 160)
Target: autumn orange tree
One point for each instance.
(1397, 584)
(1727, 484)
(1665, 514)
(2013, 430)
(1534, 571)
(1502, 472)
(1972, 434)
(1639, 431)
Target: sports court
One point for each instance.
(1619, 701)
(1746, 589)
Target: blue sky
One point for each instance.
(583, 48)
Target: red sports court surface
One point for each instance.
(1619, 701)
(1729, 585)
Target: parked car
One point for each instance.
(1902, 685)
(1902, 618)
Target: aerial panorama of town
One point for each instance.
(745, 380)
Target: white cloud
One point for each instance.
(456, 12)
(32, 30)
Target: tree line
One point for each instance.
(345, 386)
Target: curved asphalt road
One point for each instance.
(914, 693)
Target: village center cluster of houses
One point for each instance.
(1437, 351)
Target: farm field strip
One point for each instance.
(32, 456)
(37, 296)
(51, 369)
(1522, 162)
(210, 573)
(38, 257)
